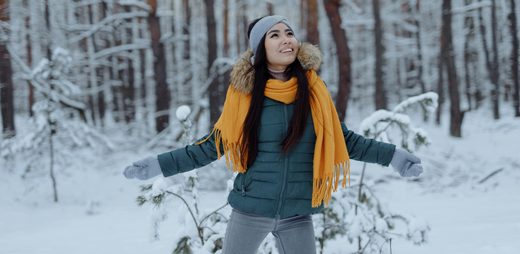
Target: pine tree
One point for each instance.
(57, 124)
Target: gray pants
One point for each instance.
(246, 231)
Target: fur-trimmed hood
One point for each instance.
(308, 55)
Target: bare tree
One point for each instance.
(127, 73)
(313, 34)
(469, 54)
(214, 97)
(29, 55)
(226, 77)
(6, 80)
(514, 58)
(448, 60)
(492, 65)
(380, 93)
(161, 88)
(340, 37)
(440, 86)
(186, 53)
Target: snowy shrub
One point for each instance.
(356, 212)
(378, 124)
(55, 129)
(201, 232)
(268, 246)
(366, 221)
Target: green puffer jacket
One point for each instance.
(275, 186)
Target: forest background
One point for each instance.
(81, 79)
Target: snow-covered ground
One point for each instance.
(97, 212)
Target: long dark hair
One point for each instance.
(249, 141)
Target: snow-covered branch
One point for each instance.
(5, 24)
(431, 97)
(3, 34)
(135, 3)
(214, 72)
(105, 21)
(19, 61)
(357, 22)
(353, 6)
(37, 79)
(471, 7)
(116, 49)
(165, 13)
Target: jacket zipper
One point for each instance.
(243, 184)
(284, 174)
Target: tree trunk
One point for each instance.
(161, 88)
(313, 35)
(186, 54)
(440, 86)
(419, 45)
(48, 24)
(380, 93)
(93, 79)
(129, 81)
(129, 93)
(491, 66)
(270, 8)
(415, 11)
(52, 124)
(214, 97)
(6, 82)
(447, 53)
(495, 93)
(101, 72)
(226, 78)
(514, 59)
(117, 107)
(344, 61)
(468, 54)
(29, 55)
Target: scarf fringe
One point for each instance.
(234, 160)
(323, 187)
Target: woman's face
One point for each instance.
(281, 47)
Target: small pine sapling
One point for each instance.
(201, 232)
(56, 128)
(361, 216)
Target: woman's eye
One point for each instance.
(274, 35)
(290, 33)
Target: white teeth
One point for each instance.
(287, 50)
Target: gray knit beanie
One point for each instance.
(262, 26)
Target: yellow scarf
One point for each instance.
(330, 151)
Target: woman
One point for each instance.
(279, 129)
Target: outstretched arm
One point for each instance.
(372, 151)
(190, 157)
(367, 149)
(177, 161)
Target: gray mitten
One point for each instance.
(143, 169)
(406, 164)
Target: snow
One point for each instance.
(107, 20)
(183, 112)
(382, 115)
(139, 4)
(431, 107)
(97, 212)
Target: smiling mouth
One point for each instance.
(285, 51)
